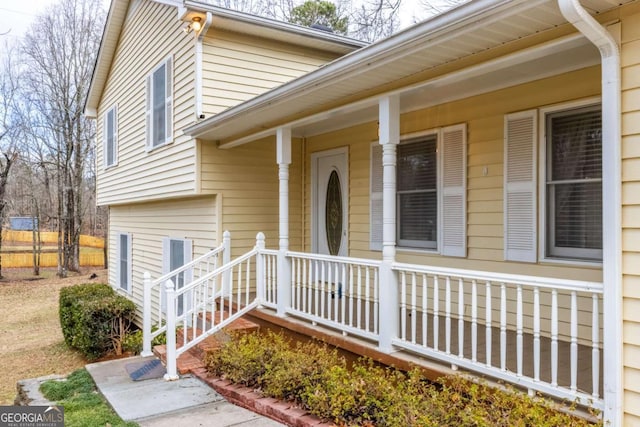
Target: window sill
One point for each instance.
(158, 147)
(424, 251)
(571, 262)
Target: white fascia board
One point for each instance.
(444, 26)
(273, 24)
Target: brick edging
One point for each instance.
(278, 410)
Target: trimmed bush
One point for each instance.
(367, 394)
(94, 319)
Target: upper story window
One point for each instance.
(110, 137)
(159, 95)
(573, 183)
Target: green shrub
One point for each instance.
(94, 319)
(367, 394)
(132, 341)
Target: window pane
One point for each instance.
(124, 264)
(574, 187)
(418, 216)
(159, 96)
(578, 215)
(417, 165)
(576, 146)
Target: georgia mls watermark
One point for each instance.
(31, 416)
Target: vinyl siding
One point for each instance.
(148, 223)
(238, 67)
(484, 116)
(630, 61)
(167, 171)
(246, 180)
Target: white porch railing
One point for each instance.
(208, 303)
(538, 333)
(155, 297)
(338, 292)
(542, 334)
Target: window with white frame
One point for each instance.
(573, 183)
(124, 261)
(110, 134)
(159, 111)
(430, 192)
(176, 253)
(417, 192)
(568, 198)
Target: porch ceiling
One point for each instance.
(311, 102)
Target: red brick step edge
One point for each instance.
(284, 412)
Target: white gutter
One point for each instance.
(198, 60)
(573, 11)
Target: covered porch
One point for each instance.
(472, 292)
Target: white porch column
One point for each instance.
(283, 142)
(389, 134)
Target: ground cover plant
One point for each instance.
(83, 405)
(31, 342)
(320, 381)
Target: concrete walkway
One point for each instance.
(158, 403)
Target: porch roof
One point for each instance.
(416, 64)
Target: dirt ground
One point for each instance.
(31, 343)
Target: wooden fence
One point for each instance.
(49, 257)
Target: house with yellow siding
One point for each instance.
(465, 192)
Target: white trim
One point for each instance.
(314, 195)
(542, 186)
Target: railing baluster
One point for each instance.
(519, 324)
(474, 321)
(447, 308)
(595, 343)
(488, 317)
(316, 285)
(403, 305)
(574, 341)
(359, 301)
(414, 314)
(336, 289)
(503, 327)
(351, 306)
(554, 338)
(436, 313)
(376, 304)
(460, 317)
(323, 295)
(341, 290)
(367, 298)
(536, 334)
(425, 298)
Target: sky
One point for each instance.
(17, 15)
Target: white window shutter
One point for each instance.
(115, 136)
(520, 135)
(375, 201)
(166, 248)
(149, 108)
(169, 101)
(188, 254)
(118, 258)
(105, 140)
(129, 262)
(454, 199)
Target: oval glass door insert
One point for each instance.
(333, 214)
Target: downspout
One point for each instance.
(198, 60)
(573, 12)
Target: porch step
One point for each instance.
(193, 359)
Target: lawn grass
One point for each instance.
(31, 342)
(83, 405)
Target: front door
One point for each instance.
(330, 202)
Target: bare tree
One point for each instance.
(10, 128)
(372, 20)
(60, 53)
